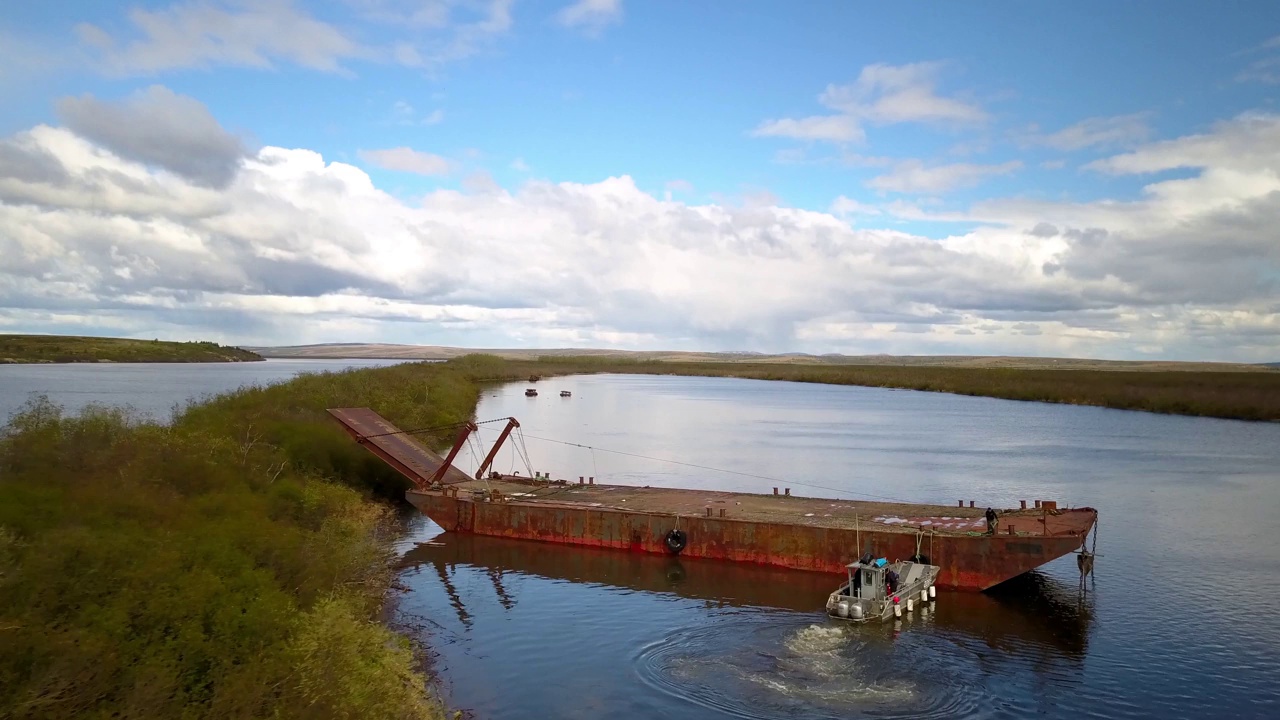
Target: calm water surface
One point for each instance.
(1180, 621)
(151, 388)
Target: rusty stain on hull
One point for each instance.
(801, 533)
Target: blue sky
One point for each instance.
(943, 122)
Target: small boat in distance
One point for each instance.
(877, 589)
(565, 393)
(530, 393)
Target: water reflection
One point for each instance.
(1033, 608)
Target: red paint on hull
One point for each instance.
(968, 562)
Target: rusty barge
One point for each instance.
(784, 530)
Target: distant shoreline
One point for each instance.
(69, 349)
(382, 351)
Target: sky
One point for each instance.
(1089, 179)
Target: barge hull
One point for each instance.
(968, 562)
(816, 534)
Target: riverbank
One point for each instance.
(231, 563)
(73, 349)
(1229, 395)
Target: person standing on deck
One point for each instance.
(992, 521)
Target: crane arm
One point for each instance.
(493, 452)
(463, 434)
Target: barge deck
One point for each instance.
(803, 533)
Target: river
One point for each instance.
(152, 389)
(1179, 620)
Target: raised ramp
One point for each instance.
(402, 452)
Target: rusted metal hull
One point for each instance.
(786, 531)
(968, 562)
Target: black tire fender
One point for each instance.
(675, 541)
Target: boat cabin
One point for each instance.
(867, 580)
(876, 588)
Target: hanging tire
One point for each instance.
(675, 541)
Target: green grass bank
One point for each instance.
(230, 564)
(1233, 395)
(70, 349)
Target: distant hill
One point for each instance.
(436, 352)
(73, 349)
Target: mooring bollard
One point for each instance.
(721, 512)
(787, 491)
(708, 512)
(775, 491)
(1024, 504)
(1037, 504)
(959, 503)
(970, 503)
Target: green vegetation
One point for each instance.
(231, 564)
(68, 349)
(1237, 395)
(234, 563)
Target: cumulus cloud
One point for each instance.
(296, 248)
(204, 33)
(913, 176)
(1102, 132)
(159, 127)
(591, 16)
(405, 159)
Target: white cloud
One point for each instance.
(263, 34)
(1250, 142)
(403, 113)
(519, 165)
(833, 128)
(888, 94)
(295, 248)
(1265, 69)
(1104, 132)
(913, 176)
(203, 34)
(470, 29)
(882, 95)
(404, 159)
(591, 16)
(844, 207)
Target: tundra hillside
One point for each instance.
(69, 349)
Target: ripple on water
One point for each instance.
(798, 669)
